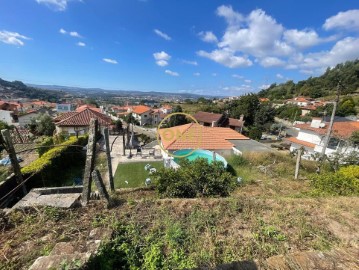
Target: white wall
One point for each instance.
(26, 119)
(6, 117)
(309, 136)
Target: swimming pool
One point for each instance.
(199, 153)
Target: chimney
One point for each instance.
(214, 123)
(241, 117)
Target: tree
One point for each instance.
(118, 125)
(255, 133)
(42, 125)
(179, 119)
(354, 138)
(247, 105)
(130, 119)
(346, 107)
(264, 117)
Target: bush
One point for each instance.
(194, 179)
(45, 145)
(343, 182)
(255, 133)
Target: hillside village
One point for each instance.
(264, 193)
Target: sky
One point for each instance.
(205, 47)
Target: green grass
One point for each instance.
(134, 173)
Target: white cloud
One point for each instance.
(172, 73)
(302, 39)
(110, 61)
(214, 74)
(344, 50)
(264, 86)
(12, 38)
(162, 58)
(348, 20)
(196, 74)
(81, 44)
(226, 58)
(208, 36)
(229, 14)
(247, 81)
(162, 35)
(59, 5)
(74, 34)
(271, 62)
(237, 76)
(193, 63)
(279, 76)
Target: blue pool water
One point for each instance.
(199, 153)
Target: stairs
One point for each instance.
(71, 255)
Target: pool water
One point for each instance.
(199, 153)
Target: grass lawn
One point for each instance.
(134, 173)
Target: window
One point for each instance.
(333, 143)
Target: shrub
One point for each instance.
(343, 182)
(255, 133)
(194, 179)
(45, 145)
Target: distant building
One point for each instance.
(219, 120)
(166, 109)
(9, 117)
(25, 118)
(64, 107)
(311, 137)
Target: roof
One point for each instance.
(168, 107)
(247, 146)
(140, 109)
(235, 122)
(207, 117)
(87, 106)
(83, 118)
(64, 116)
(340, 129)
(304, 143)
(192, 136)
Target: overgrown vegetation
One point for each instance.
(343, 182)
(197, 178)
(315, 87)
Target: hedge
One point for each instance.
(46, 160)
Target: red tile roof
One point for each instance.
(340, 129)
(87, 106)
(83, 118)
(304, 143)
(64, 116)
(140, 109)
(193, 136)
(235, 122)
(207, 117)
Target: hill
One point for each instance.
(315, 87)
(17, 89)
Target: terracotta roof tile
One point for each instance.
(192, 136)
(83, 119)
(340, 129)
(140, 109)
(304, 143)
(207, 117)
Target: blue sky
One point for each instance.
(203, 47)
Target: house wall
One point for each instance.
(309, 136)
(6, 116)
(72, 130)
(26, 119)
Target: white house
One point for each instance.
(8, 117)
(166, 109)
(311, 137)
(64, 107)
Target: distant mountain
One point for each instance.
(17, 89)
(316, 87)
(117, 93)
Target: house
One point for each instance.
(78, 122)
(300, 101)
(64, 107)
(311, 137)
(24, 119)
(219, 120)
(9, 117)
(195, 136)
(166, 109)
(143, 114)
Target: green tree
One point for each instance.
(346, 107)
(42, 125)
(255, 133)
(264, 117)
(118, 125)
(247, 105)
(130, 119)
(354, 138)
(177, 120)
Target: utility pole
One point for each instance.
(109, 163)
(330, 128)
(297, 165)
(13, 158)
